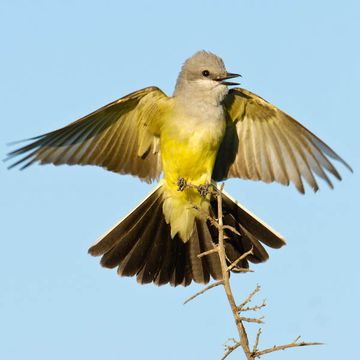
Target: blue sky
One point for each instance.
(63, 59)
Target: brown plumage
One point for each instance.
(141, 245)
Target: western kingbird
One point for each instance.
(202, 134)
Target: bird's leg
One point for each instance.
(181, 183)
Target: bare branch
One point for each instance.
(230, 349)
(256, 344)
(242, 257)
(206, 216)
(295, 343)
(220, 282)
(248, 299)
(242, 270)
(214, 250)
(243, 341)
(254, 308)
(252, 320)
(232, 229)
(226, 280)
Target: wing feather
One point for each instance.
(292, 165)
(121, 137)
(300, 152)
(264, 161)
(276, 158)
(263, 143)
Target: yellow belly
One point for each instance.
(189, 154)
(188, 150)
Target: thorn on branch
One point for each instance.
(296, 339)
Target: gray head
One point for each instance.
(204, 70)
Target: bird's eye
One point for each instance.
(206, 73)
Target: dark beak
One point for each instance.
(228, 76)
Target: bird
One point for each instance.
(208, 131)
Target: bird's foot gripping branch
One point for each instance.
(251, 352)
(203, 189)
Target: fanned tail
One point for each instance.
(253, 233)
(141, 245)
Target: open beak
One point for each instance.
(226, 77)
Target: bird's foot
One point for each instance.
(181, 183)
(203, 189)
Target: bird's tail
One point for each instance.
(141, 243)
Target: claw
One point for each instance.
(203, 190)
(181, 183)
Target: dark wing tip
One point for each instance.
(27, 151)
(16, 142)
(347, 166)
(94, 251)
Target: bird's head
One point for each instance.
(204, 71)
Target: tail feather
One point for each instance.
(155, 256)
(167, 265)
(115, 245)
(135, 259)
(188, 275)
(211, 262)
(200, 273)
(142, 245)
(255, 226)
(246, 241)
(250, 242)
(130, 222)
(178, 275)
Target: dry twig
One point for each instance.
(294, 343)
(214, 250)
(256, 344)
(254, 308)
(229, 349)
(242, 257)
(243, 341)
(252, 320)
(226, 280)
(220, 282)
(248, 299)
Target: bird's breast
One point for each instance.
(189, 144)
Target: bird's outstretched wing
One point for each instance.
(120, 137)
(263, 143)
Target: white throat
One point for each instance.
(200, 97)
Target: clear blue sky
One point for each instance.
(61, 60)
